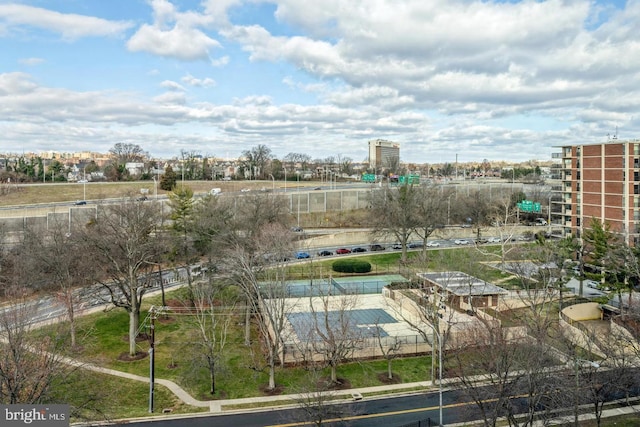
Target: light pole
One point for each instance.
(273, 183)
(592, 364)
(285, 179)
(439, 338)
(155, 185)
(549, 215)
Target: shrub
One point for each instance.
(351, 266)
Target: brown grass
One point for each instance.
(28, 194)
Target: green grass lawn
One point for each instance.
(242, 373)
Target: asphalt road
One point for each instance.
(384, 412)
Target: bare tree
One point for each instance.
(394, 212)
(212, 314)
(28, 364)
(55, 257)
(389, 347)
(430, 211)
(123, 153)
(212, 225)
(123, 244)
(508, 367)
(255, 161)
(333, 335)
(503, 222)
(260, 271)
(316, 401)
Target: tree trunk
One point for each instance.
(272, 375)
(334, 373)
(247, 326)
(389, 373)
(212, 376)
(133, 329)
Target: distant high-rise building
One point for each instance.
(601, 181)
(385, 154)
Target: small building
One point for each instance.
(462, 291)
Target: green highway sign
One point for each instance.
(529, 206)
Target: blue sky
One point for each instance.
(496, 80)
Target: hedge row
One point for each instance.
(351, 266)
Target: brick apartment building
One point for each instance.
(601, 181)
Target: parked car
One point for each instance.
(296, 229)
(325, 253)
(302, 255)
(142, 198)
(461, 242)
(396, 246)
(80, 202)
(358, 250)
(343, 251)
(433, 244)
(376, 247)
(592, 284)
(414, 245)
(493, 240)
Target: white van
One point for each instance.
(215, 191)
(541, 221)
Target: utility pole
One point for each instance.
(152, 338)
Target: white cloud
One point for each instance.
(175, 34)
(183, 43)
(70, 26)
(439, 76)
(171, 85)
(171, 98)
(192, 81)
(31, 61)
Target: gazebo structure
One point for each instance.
(462, 291)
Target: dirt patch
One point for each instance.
(383, 377)
(339, 384)
(126, 357)
(165, 320)
(139, 338)
(277, 391)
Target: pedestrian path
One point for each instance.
(261, 401)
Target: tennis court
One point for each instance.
(342, 285)
(364, 323)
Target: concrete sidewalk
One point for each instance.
(261, 401)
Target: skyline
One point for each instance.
(496, 80)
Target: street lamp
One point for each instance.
(273, 183)
(285, 179)
(439, 338)
(589, 363)
(155, 184)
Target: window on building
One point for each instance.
(636, 176)
(578, 175)
(636, 189)
(578, 221)
(636, 163)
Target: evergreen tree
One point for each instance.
(169, 179)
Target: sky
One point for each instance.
(450, 80)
